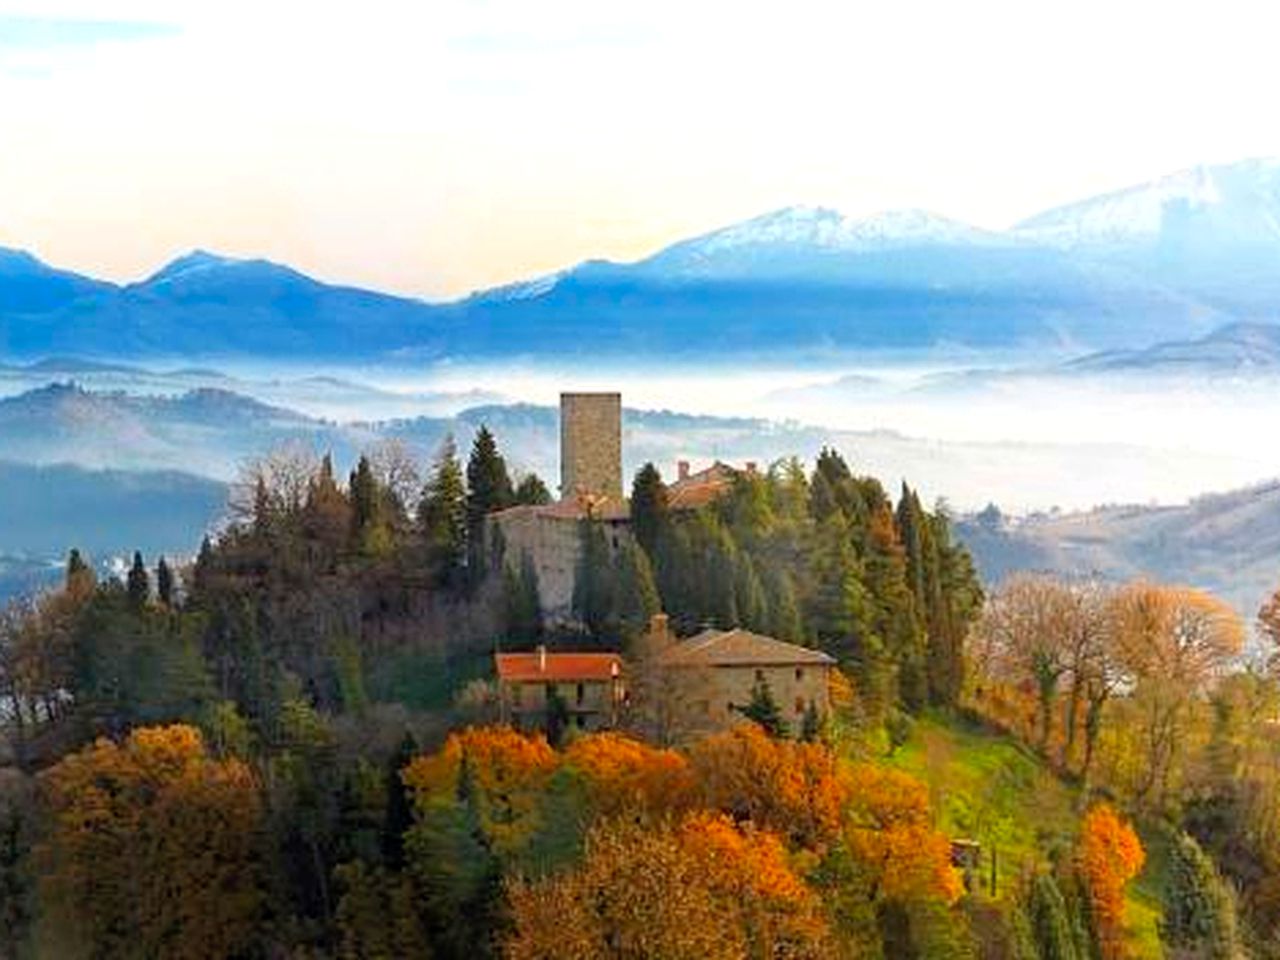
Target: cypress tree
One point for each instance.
(164, 582)
(636, 593)
(138, 582)
(1199, 906)
(649, 507)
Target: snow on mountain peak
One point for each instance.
(1141, 212)
(187, 264)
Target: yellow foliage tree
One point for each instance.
(151, 849)
(505, 774)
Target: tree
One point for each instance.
(522, 604)
(1199, 905)
(1108, 856)
(699, 889)
(151, 849)
(1052, 925)
(164, 583)
(649, 508)
(1175, 642)
(531, 491)
(488, 490)
(138, 582)
(763, 710)
(442, 518)
(1269, 627)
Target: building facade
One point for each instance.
(590, 688)
(712, 676)
(591, 446)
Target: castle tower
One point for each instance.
(591, 445)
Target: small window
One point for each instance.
(799, 704)
(582, 692)
(799, 674)
(581, 721)
(759, 676)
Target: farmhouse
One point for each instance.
(588, 686)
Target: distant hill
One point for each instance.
(1227, 543)
(1167, 260)
(1236, 349)
(46, 510)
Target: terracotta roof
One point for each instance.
(699, 489)
(558, 668)
(731, 648)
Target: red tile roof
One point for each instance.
(559, 667)
(739, 648)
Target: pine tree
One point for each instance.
(649, 507)
(784, 614)
(488, 490)
(636, 594)
(749, 594)
(164, 582)
(138, 582)
(523, 606)
(595, 585)
(442, 518)
(399, 813)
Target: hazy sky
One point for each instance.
(434, 147)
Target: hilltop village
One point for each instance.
(751, 711)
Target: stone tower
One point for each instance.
(591, 445)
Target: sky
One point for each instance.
(434, 148)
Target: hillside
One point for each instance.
(1225, 543)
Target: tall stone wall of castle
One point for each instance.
(591, 445)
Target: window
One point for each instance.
(759, 676)
(799, 704)
(582, 693)
(799, 674)
(581, 721)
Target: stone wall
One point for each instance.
(591, 445)
(706, 693)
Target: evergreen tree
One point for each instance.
(649, 507)
(164, 582)
(784, 614)
(811, 726)
(595, 600)
(488, 490)
(399, 812)
(1199, 905)
(80, 580)
(523, 606)
(442, 518)
(763, 710)
(1051, 922)
(636, 593)
(370, 518)
(138, 582)
(749, 595)
(531, 491)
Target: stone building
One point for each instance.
(711, 676)
(591, 446)
(590, 687)
(591, 486)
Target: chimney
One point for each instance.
(682, 470)
(542, 658)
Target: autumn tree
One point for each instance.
(1108, 856)
(151, 849)
(700, 889)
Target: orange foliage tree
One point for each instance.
(1109, 855)
(890, 834)
(151, 849)
(794, 789)
(624, 776)
(699, 889)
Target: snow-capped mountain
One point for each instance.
(798, 240)
(1168, 260)
(1210, 231)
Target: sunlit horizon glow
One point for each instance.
(432, 149)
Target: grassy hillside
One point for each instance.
(991, 788)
